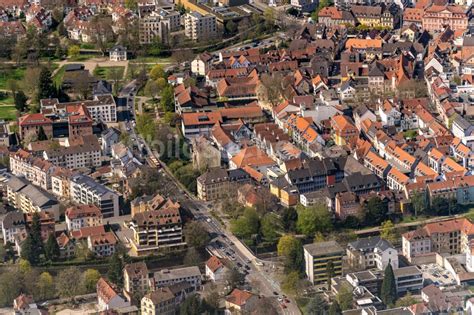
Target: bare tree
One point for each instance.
(182, 55)
(271, 88)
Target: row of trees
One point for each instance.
(34, 250)
(22, 278)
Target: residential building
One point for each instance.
(135, 279)
(152, 26)
(218, 183)
(200, 27)
(12, 223)
(34, 169)
(81, 216)
(29, 199)
(31, 124)
(168, 277)
(109, 297)
(240, 302)
(109, 137)
(216, 268)
(67, 248)
(437, 17)
(371, 252)
(408, 279)
(161, 301)
(157, 230)
(147, 203)
(85, 191)
(347, 204)
(316, 258)
(118, 53)
(344, 132)
(80, 152)
(102, 245)
(304, 5)
(201, 64)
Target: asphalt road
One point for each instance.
(256, 277)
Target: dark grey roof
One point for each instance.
(214, 175)
(73, 67)
(363, 244)
(238, 175)
(461, 122)
(38, 196)
(323, 248)
(118, 48)
(13, 219)
(357, 181)
(17, 183)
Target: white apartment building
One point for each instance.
(84, 190)
(152, 26)
(34, 169)
(200, 27)
(81, 216)
(167, 277)
(85, 152)
(415, 243)
(12, 223)
(103, 108)
(102, 245)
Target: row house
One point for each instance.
(396, 180)
(331, 16)
(401, 158)
(303, 132)
(376, 164)
(389, 114)
(373, 16)
(37, 170)
(460, 189)
(462, 153)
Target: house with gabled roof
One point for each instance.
(109, 297)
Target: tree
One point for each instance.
(115, 75)
(246, 225)
(89, 280)
(45, 287)
(344, 297)
(12, 85)
(82, 251)
(115, 274)
(388, 232)
(73, 51)
(32, 247)
(313, 219)
(389, 290)
(157, 72)
(234, 277)
(292, 249)
(68, 282)
(231, 27)
(290, 282)
(192, 305)
(46, 87)
(192, 257)
(10, 286)
(316, 306)
(335, 309)
(102, 30)
(271, 226)
(375, 211)
(151, 89)
(167, 99)
(182, 55)
(271, 88)
(418, 202)
(407, 300)
(20, 101)
(196, 234)
(51, 248)
(131, 4)
(289, 218)
(285, 244)
(41, 134)
(329, 273)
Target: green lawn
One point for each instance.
(7, 112)
(58, 76)
(103, 72)
(14, 73)
(152, 60)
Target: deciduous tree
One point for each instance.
(68, 282)
(89, 279)
(196, 234)
(313, 219)
(45, 287)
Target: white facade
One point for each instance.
(217, 275)
(199, 67)
(386, 256)
(200, 27)
(415, 246)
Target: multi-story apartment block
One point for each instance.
(152, 26)
(102, 108)
(12, 223)
(318, 255)
(157, 230)
(446, 237)
(81, 152)
(29, 199)
(437, 17)
(31, 124)
(102, 245)
(60, 185)
(218, 183)
(372, 252)
(34, 169)
(135, 279)
(167, 277)
(200, 27)
(408, 279)
(85, 191)
(81, 216)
